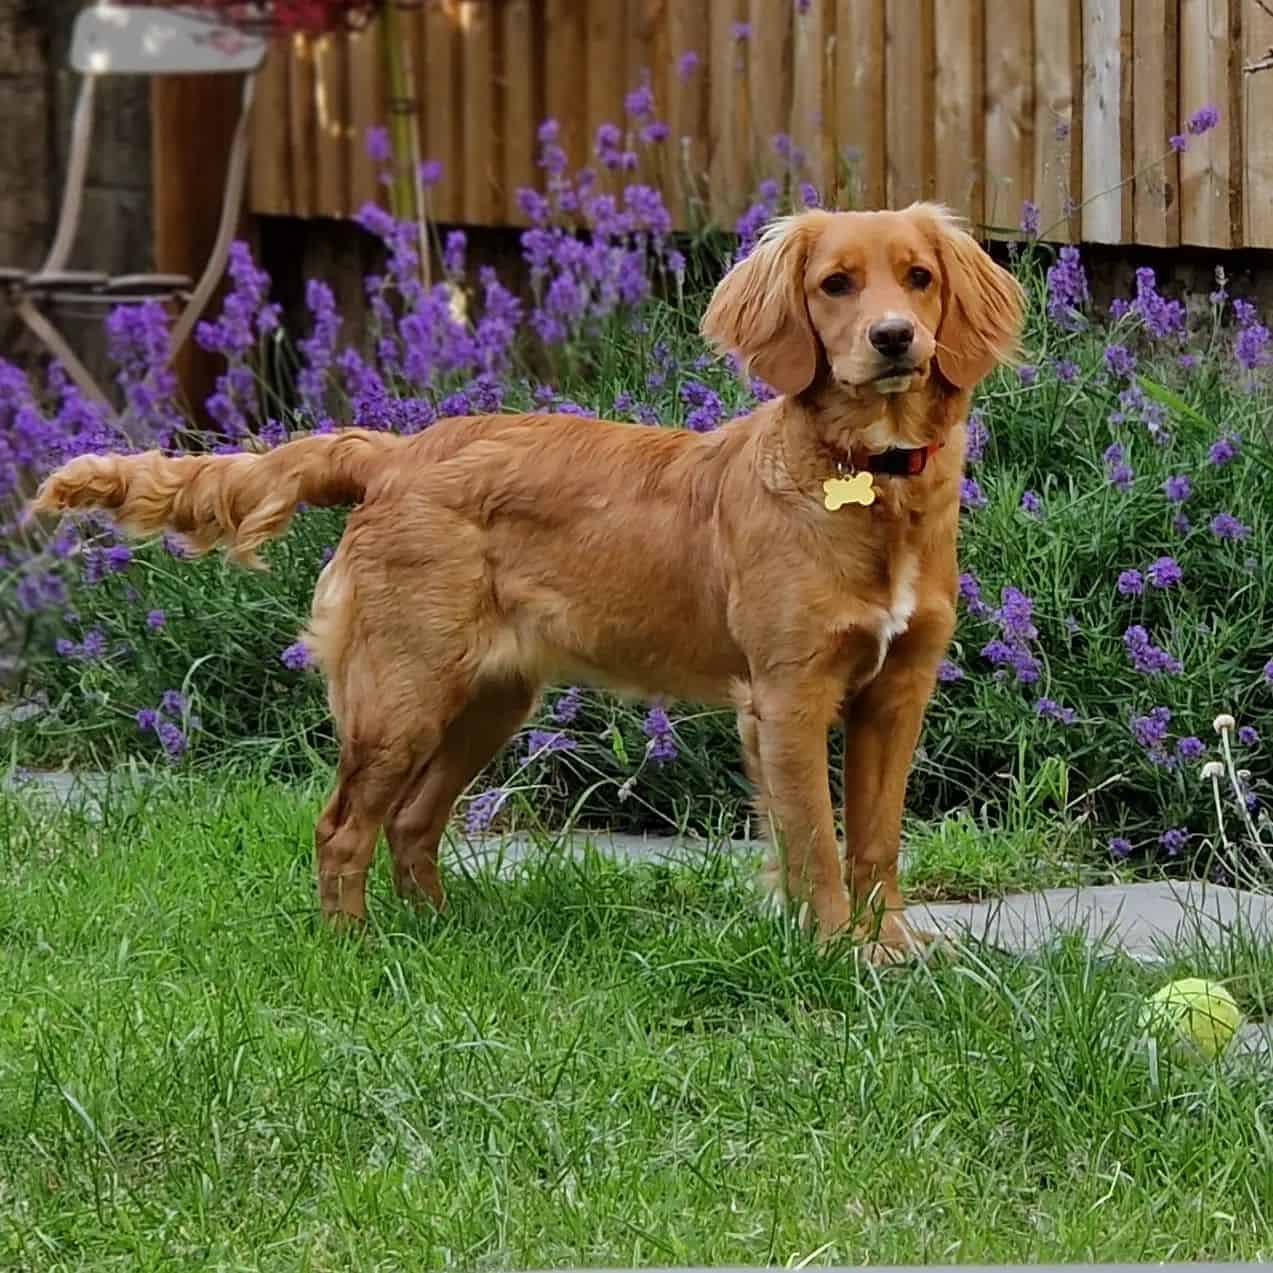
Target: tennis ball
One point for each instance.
(1198, 1013)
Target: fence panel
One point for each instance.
(982, 103)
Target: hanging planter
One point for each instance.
(280, 17)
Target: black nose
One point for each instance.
(892, 336)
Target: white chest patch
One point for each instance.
(901, 605)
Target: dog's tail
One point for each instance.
(240, 500)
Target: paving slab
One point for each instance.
(505, 852)
(1139, 919)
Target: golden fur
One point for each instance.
(491, 555)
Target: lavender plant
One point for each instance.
(1115, 508)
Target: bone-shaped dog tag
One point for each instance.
(839, 491)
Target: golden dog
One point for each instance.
(798, 563)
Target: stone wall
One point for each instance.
(37, 101)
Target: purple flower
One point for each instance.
(317, 351)
(171, 739)
(971, 496)
(1189, 748)
(978, 437)
(1164, 572)
(1016, 614)
(740, 31)
(1174, 840)
(1131, 583)
(1120, 848)
(948, 673)
(1067, 371)
(970, 592)
(94, 644)
(658, 729)
(1251, 346)
(1030, 219)
(430, 172)
(1181, 524)
(1161, 317)
(172, 703)
(1050, 709)
(1011, 650)
(1203, 120)
(1226, 526)
(483, 809)
(1067, 290)
(1119, 472)
(543, 742)
(687, 64)
(295, 657)
(707, 408)
(1032, 503)
(454, 252)
(1146, 657)
(1225, 450)
(147, 719)
(1120, 360)
(1150, 730)
(138, 341)
(1178, 488)
(1178, 142)
(639, 103)
(1027, 373)
(379, 151)
(1248, 736)
(566, 708)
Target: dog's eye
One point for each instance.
(919, 278)
(837, 285)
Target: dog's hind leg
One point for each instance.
(371, 773)
(419, 815)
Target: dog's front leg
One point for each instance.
(881, 726)
(784, 731)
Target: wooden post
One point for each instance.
(192, 127)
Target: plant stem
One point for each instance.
(407, 191)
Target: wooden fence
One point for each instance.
(980, 103)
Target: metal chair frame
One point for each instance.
(122, 39)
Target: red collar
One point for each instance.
(897, 461)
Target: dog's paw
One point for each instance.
(895, 941)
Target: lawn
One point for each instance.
(581, 1064)
(588, 1064)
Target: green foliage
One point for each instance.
(582, 1065)
(1049, 429)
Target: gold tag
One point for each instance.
(839, 491)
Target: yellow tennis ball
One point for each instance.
(1199, 1013)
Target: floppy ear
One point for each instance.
(758, 310)
(982, 304)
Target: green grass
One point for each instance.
(584, 1064)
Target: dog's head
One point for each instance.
(871, 301)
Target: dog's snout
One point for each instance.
(892, 336)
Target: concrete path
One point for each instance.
(1140, 919)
